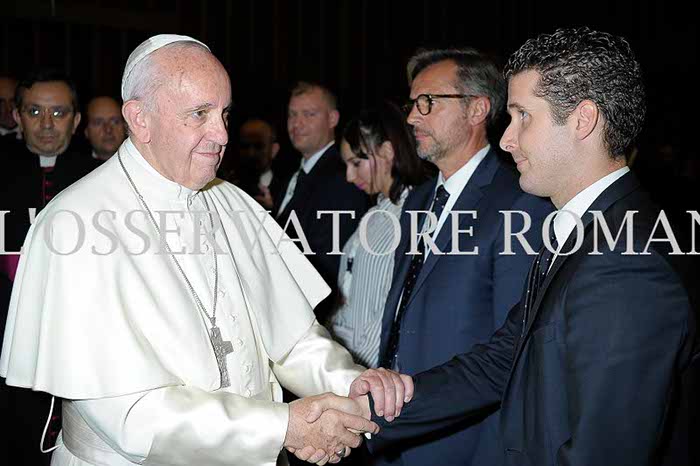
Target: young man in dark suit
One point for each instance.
(592, 366)
(319, 185)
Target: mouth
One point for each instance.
(519, 161)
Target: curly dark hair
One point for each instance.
(582, 64)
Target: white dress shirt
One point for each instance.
(307, 165)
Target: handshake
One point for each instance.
(326, 427)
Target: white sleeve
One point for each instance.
(184, 425)
(317, 364)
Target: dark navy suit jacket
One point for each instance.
(595, 376)
(460, 300)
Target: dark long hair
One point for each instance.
(373, 127)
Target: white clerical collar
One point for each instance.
(564, 224)
(308, 164)
(155, 181)
(47, 161)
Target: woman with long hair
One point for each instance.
(380, 157)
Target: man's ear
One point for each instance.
(18, 120)
(586, 116)
(76, 121)
(479, 110)
(334, 116)
(135, 117)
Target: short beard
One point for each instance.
(435, 154)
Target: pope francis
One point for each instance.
(142, 301)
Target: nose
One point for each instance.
(349, 173)
(413, 116)
(219, 131)
(507, 141)
(46, 120)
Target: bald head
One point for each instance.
(7, 95)
(105, 127)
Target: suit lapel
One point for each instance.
(416, 200)
(306, 188)
(619, 189)
(469, 199)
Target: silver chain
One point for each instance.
(198, 301)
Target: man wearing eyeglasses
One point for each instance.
(453, 294)
(46, 111)
(38, 168)
(105, 129)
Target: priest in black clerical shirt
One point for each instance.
(40, 166)
(34, 170)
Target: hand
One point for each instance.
(319, 457)
(329, 430)
(390, 390)
(264, 198)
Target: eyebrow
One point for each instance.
(516, 106)
(206, 106)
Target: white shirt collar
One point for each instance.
(456, 183)
(308, 164)
(564, 224)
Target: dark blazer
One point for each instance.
(324, 188)
(460, 300)
(595, 379)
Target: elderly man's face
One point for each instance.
(105, 126)
(188, 125)
(7, 95)
(47, 117)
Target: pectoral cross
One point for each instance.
(221, 349)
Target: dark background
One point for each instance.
(357, 47)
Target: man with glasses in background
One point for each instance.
(442, 301)
(38, 168)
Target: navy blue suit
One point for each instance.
(595, 376)
(460, 300)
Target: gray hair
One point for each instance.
(477, 73)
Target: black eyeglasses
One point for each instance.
(424, 102)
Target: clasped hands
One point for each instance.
(324, 428)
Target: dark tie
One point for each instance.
(441, 197)
(538, 272)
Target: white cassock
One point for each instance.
(116, 332)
